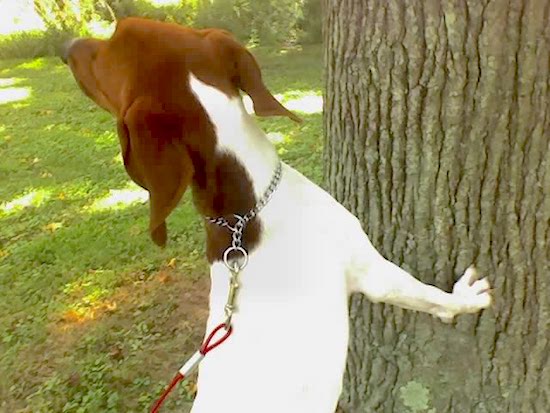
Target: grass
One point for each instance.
(93, 316)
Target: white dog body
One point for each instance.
(288, 349)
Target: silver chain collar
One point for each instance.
(236, 264)
(238, 229)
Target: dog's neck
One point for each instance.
(236, 172)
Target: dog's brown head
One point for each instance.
(141, 75)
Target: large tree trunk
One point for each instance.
(437, 122)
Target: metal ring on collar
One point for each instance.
(238, 265)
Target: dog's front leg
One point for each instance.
(382, 281)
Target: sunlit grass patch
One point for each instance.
(91, 307)
(14, 94)
(276, 137)
(88, 296)
(32, 198)
(35, 64)
(106, 139)
(163, 2)
(303, 101)
(10, 81)
(120, 198)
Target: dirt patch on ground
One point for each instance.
(146, 328)
(185, 296)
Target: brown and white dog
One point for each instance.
(175, 93)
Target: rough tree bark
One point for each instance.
(437, 123)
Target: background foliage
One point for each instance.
(255, 22)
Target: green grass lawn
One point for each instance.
(93, 316)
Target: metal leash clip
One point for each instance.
(235, 259)
(235, 264)
(231, 298)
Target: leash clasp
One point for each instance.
(235, 265)
(230, 306)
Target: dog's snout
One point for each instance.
(65, 51)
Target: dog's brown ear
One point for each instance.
(156, 158)
(249, 80)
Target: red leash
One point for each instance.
(193, 362)
(235, 265)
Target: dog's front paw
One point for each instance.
(470, 295)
